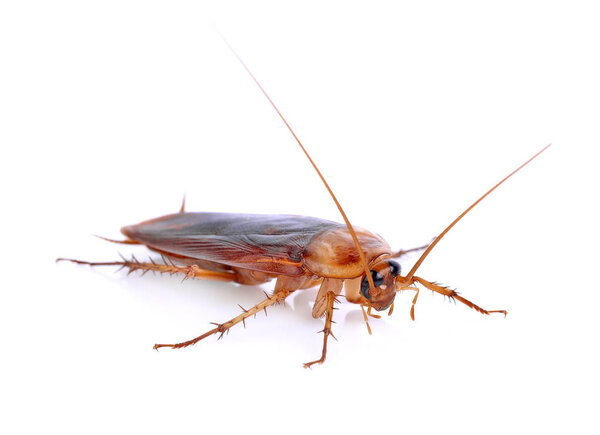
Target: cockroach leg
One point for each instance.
(403, 252)
(366, 318)
(376, 316)
(331, 298)
(182, 208)
(329, 285)
(289, 283)
(412, 308)
(122, 242)
(222, 328)
(190, 271)
(452, 295)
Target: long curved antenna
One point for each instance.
(348, 224)
(443, 233)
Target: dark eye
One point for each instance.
(364, 285)
(394, 268)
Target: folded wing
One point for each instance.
(267, 243)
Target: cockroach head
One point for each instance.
(384, 276)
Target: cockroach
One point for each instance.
(300, 252)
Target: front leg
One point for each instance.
(330, 299)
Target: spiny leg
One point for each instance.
(190, 271)
(403, 252)
(326, 330)
(452, 295)
(224, 327)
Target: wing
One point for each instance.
(267, 243)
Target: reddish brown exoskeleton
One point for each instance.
(299, 252)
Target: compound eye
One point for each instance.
(364, 285)
(394, 268)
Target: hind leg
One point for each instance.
(189, 271)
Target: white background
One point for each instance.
(110, 111)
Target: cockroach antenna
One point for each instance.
(455, 221)
(363, 260)
(408, 282)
